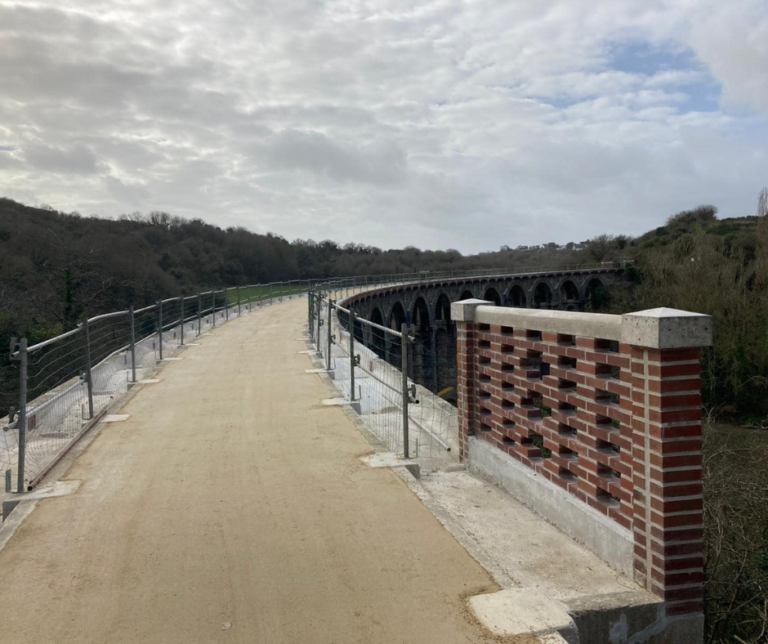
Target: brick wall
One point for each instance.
(607, 408)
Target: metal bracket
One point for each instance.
(320, 322)
(357, 359)
(333, 338)
(15, 349)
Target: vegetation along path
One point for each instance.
(232, 507)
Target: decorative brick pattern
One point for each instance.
(617, 426)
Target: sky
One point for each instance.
(466, 124)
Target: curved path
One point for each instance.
(232, 507)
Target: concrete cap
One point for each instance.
(665, 328)
(590, 325)
(464, 311)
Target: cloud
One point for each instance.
(129, 194)
(381, 163)
(76, 159)
(734, 46)
(439, 124)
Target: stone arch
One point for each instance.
(466, 295)
(378, 342)
(542, 295)
(445, 374)
(492, 295)
(569, 292)
(596, 295)
(358, 330)
(397, 316)
(517, 297)
(443, 308)
(420, 316)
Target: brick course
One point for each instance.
(618, 426)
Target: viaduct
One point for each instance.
(426, 308)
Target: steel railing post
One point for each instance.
(88, 373)
(213, 304)
(434, 359)
(133, 342)
(160, 327)
(319, 309)
(352, 358)
(310, 319)
(181, 318)
(226, 305)
(404, 366)
(21, 423)
(199, 314)
(238, 301)
(329, 336)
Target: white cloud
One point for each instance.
(441, 124)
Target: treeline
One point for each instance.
(56, 268)
(699, 263)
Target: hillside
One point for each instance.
(56, 268)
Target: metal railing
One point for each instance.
(60, 387)
(400, 381)
(64, 384)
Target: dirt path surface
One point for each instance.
(232, 507)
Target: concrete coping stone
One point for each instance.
(665, 328)
(593, 325)
(661, 328)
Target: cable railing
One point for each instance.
(53, 391)
(401, 381)
(56, 389)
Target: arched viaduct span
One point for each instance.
(426, 308)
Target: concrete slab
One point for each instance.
(384, 459)
(606, 538)
(542, 558)
(171, 359)
(52, 489)
(335, 402)
(115, 418)
(315, 370)
(524, 612)
(149, 381)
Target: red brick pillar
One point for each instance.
(666, 448)
(463, 313)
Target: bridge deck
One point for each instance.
(231, 506)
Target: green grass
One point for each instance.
(262, 292)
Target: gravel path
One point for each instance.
(232, 507)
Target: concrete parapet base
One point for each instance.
(608, 540)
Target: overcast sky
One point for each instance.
(448, 123)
